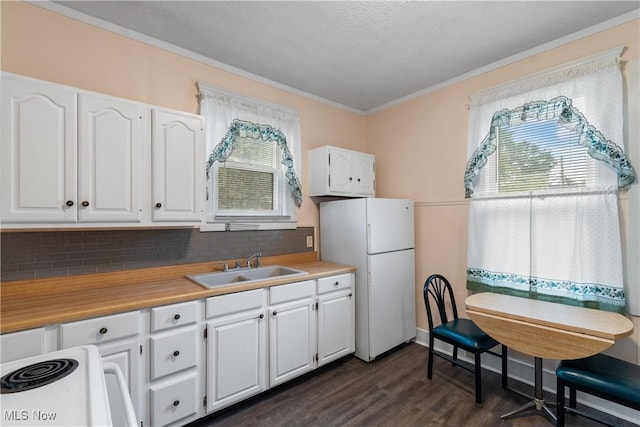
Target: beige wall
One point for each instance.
(420, 147)
(420, 144)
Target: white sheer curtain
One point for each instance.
(563, 245)
(221, 109)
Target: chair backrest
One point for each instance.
(438, 288)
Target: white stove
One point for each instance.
(62, 388)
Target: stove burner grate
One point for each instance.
(36, 375)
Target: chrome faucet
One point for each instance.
(257, 256)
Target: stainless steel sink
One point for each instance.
(248, 275)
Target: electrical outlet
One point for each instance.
(309, 241)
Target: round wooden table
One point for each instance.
(545, 330)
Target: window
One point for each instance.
(543, 182)
(252, 181)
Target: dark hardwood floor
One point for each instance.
(391, 391)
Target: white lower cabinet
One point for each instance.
(236, 347)
(292, 331)
(174, 400)
(118, 341)
(173, 351)
(19, 345)
(262, 338)
(255, 339)
(175, 372)
(336, 318)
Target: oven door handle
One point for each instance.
(123, 392)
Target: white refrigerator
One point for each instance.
(376, 236)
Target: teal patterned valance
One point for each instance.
(243, 129)
(562, 110)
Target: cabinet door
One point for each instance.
(336, 327)
(117, 339)
(177, 166)
(236, 358)
(19, 345)
(126, 354)
(38, 152)
(109, 159)
(364, 174)
(292, 340)
(340, 173)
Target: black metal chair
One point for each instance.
(460, 333)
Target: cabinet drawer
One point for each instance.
(233, 303)
(173, 401)
(334, 283)
(100, 329)
(173, 315)
(293, 291)
(19, 345)
(174, 352)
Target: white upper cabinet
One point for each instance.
(109, 159)
(364, 167)
(73, 158)
(39, 174)
(177, 167)
(339, 172)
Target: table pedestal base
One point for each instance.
(537, 406)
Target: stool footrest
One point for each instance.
(602, 376)
(575, 411)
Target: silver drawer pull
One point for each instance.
(103, 331)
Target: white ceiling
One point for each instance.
(360, 55)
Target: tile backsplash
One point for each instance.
(33, 255)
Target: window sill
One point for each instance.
(238, 225)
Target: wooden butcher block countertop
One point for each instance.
(29, 304)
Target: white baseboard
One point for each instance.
(521, 369)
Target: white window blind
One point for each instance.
(538, 155)
(248, 180)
